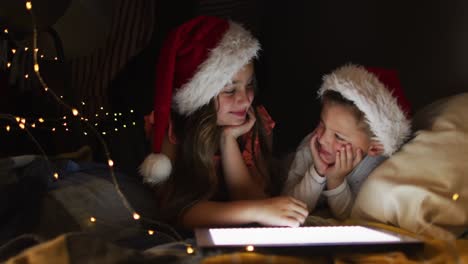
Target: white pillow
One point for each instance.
(423, 188)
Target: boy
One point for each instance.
(363, 121)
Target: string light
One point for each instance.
(110, 163)
(136, 216)
(36, 67)
(8, 128)
(5, 30)
(26, 76)
(13, 51)
(455, 196)
(190, 249)
(92, 219)
(75, 112)
(56, 176)
(250, 248)
(150, 232)
(26, 48)
(28, 5)
(8, 64)
(41, 120)
(42, 56)
(22, 126)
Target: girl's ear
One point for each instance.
(170, 133)
(375, 148)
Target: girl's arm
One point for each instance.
(277, 211)
(240, 182)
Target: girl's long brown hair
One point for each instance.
(194, 174)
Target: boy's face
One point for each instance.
(339, 126)
(235, 99)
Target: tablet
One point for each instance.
(304, 240)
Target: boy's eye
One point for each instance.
(339, 137)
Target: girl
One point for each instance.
(211, 165)
(363, 121)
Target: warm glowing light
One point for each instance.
(26, 48)
(190, 250)
(136, 216)
(107, 114)
(64, 124)
(250, 248)
(41, 120)
(85, 133)
(13, 51)
(55, 58)
(28, 5)
(36, 67)
(53, 129)
(8, 64)
(125, 126)
(110, 162)
(26, 76)
(92, 219)
(64, 117)
(133, 123)
(83, 103)
(8, 128)
(131, 110)
(21, 125)
(75, 112)
(104, 133)
(33, 125)
(42, 56)
(18, 119)
(116, 129)
(455, 196)
(61, 97)
(115, 119)
(36, 50)
(150, 232)
(5, 30)
(23, 120)
(46, 89)
(56, 176)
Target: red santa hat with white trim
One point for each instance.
(378, 94)
(196, 61)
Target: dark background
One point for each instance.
(426, 41)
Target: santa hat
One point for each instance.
(378, 94)
(196, 61)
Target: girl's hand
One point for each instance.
(280, 211)
(345, 162)
(320, 166)
(237, 131)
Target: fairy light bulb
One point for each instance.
(125, 126)
(46, 89)
(104, 133)
(455, 196)
(83, 103)
(55, 58)
(23, 120)
(36, 67)
(150, 232)
(92, 219)
(8, 128)
(18, 119)
(13, 51)
(53, 129)
(26, 48)
(36, 50)
(28, 5)
(190, 250)
(22, 126)
(33, 125)
(8, 64)
(41, 120)
(26, 76)
(42, 56)
(56, 176)
(136, 216)
(5, 30)
(74, 112)
(250, 248)
(131, 110)
(110, 163)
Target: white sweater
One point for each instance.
(304, 183)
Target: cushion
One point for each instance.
(423, 188)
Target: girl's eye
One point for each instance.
(229, 90)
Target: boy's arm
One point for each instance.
(303, 182)
(340, 200)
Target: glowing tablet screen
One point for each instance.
(270, 236)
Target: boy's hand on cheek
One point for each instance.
(320, 166)
(345, 162)
(237, 131)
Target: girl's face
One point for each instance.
(339, 126)
(235, 98)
